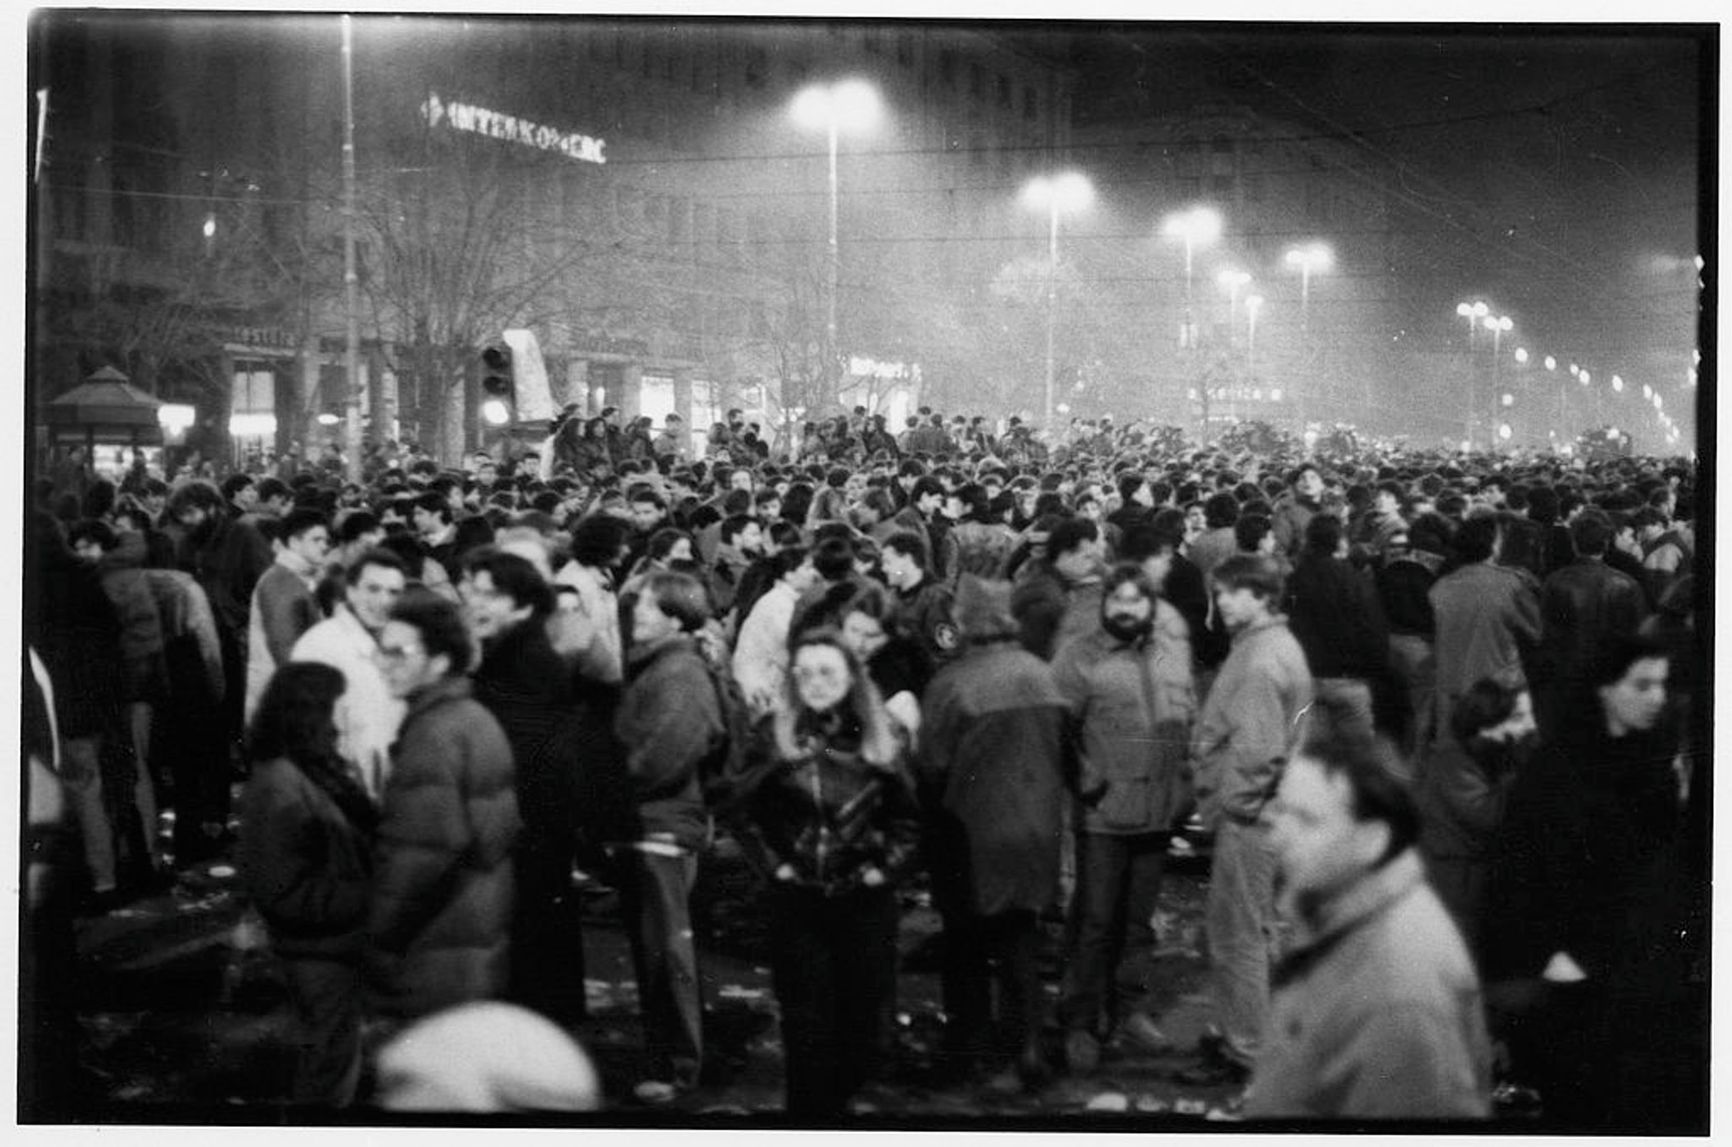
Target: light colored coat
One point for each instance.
(1249, 723)
(367, 715)
(1376, 1011)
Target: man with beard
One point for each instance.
(1462, 789)
(227, 558)
(527, 688)
(367, 715)
(1129, 689)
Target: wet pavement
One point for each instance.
(182, 1008)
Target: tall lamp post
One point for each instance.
(1253, 304)
(848, 105)
(1310, 260)
(1497, 325)
(1194, 227)
(1473, 313)
(1056, 195)
(1233, 279)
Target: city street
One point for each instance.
(181, 1010)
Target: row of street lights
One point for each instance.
(852, 106)
(1479, 317)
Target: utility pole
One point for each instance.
(351, 280)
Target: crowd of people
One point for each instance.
(1433, 711)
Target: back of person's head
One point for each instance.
(355, 525)
(680, 596)
(1476, 538)
(1323, 535)
(1432, 533)
(1146, 540)
(1591, 533)
(833, 558)
(440, 623)
(788, 559)
(294, 718)
(1220, 510)
(1487, 702)
(983, 612)
(1249, 531)
(596, 540)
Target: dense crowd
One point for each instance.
(1432, 711)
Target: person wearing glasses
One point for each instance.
(439, 921)
(827, 811)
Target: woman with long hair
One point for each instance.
(305, 855)
(827, 810)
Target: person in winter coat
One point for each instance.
(1129, 691)
(72, 623)
(1462, 788)
(1488, 616)
(1247, 728)
(284, 603)
(306, 860)
(119, 562)
(528, 689)
(990, 771)
(1335, 616)
(670, 720)
(438, 926)
(828, 814)
(1296, 508)
(1596, 954)
(1376, 1012)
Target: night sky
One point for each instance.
(1552, 172)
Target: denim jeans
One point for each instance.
(654, 894)
(1240, 921)
(1118, 882)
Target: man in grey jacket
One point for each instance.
(1245, 732)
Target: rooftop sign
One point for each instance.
(485, 121)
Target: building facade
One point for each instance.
(633, 192)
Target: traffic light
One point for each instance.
(498, 390)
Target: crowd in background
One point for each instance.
(1434, 713)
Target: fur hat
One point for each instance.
(983, 609)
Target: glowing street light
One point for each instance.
(1551, 363)
(1521, 355)
(1472, 312)
(851, 106)
(1057, 194)
(1617, 383)
(1197, 227)
(1253, 304)
(1311, 259)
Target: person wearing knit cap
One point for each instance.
(990, 775)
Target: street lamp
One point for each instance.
(1472, 312)
(1497, 325)
(1196, 227)
(1309, 259)
(1253, 304)
(852, 106)
(1056, 194)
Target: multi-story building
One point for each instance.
(633, 192)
